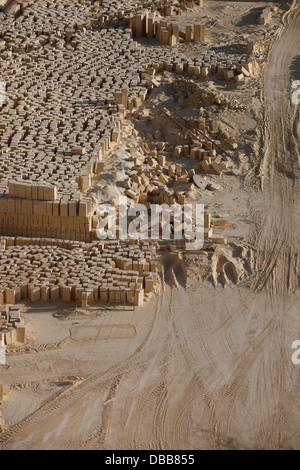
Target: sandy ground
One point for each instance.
(206, 362)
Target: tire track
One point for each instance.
(94, 381)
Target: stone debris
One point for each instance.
(266, 14)
(162, 182)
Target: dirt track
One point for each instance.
(278, 241)
(213, 367)
(215, 376)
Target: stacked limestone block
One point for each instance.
(101, 271)
(148, 24)
(11, 328)
(71, 76)
(33, 209)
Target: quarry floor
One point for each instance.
(206, 362)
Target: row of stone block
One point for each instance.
(78, 209)
(147, 24)
(104, 291)
(63, 227)
(28, 190)
(51, 273)
(97, 245)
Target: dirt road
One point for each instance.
(213, 370)
(278, 236)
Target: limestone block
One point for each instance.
(189, 33)
(84, 182)
(20, 333)
(217, 169)
(228, 74)
(130, 193)
(24, 291)
(35, 294)
(7, 336)
(177, 151)
(207, 233)
(104, 294)
(78, 150)
(151, 25)
(139, 25)
(45, 293)
(207, 220)
(11, 188)
(12, 332)
(54, 293)
(99, 167)
(72, 208)
(214, 187)
(205, 166)
(219, 239)
(199, 33)
(11, 207)
(10, 296)
(149, 284)
(3, 205)
(139, 297)
(66, 294)
(115, 135)
(161, 160)
(164, 36)
(118, 97)
(204, 72)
